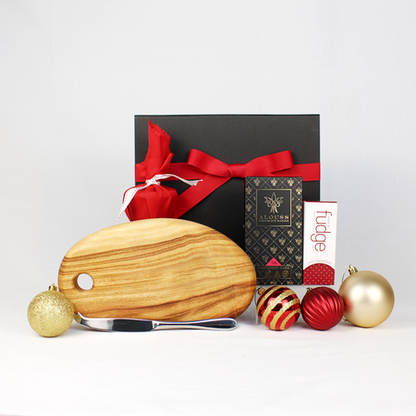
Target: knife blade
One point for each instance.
(145, 325)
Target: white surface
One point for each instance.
(74, 73)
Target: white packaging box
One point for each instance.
(319, 242)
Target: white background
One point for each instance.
(72, 76)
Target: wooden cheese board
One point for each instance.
(160, 269)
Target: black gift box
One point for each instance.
(233, 139)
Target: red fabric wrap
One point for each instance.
(156, 201)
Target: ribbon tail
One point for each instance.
(192, 196)
(183, 170)
(128, 197)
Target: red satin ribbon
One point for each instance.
(215, 173)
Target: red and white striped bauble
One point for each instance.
(278, 307)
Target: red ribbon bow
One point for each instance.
(215, 173)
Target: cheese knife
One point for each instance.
(145, 325)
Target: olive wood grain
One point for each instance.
(161, 269)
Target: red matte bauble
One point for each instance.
(322, 308)
(278, 308)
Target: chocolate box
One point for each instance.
(234, 139)
(273, 229)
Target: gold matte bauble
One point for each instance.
(368, 298)
(50, 313)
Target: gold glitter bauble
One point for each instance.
(368, 298)
(50, 313)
